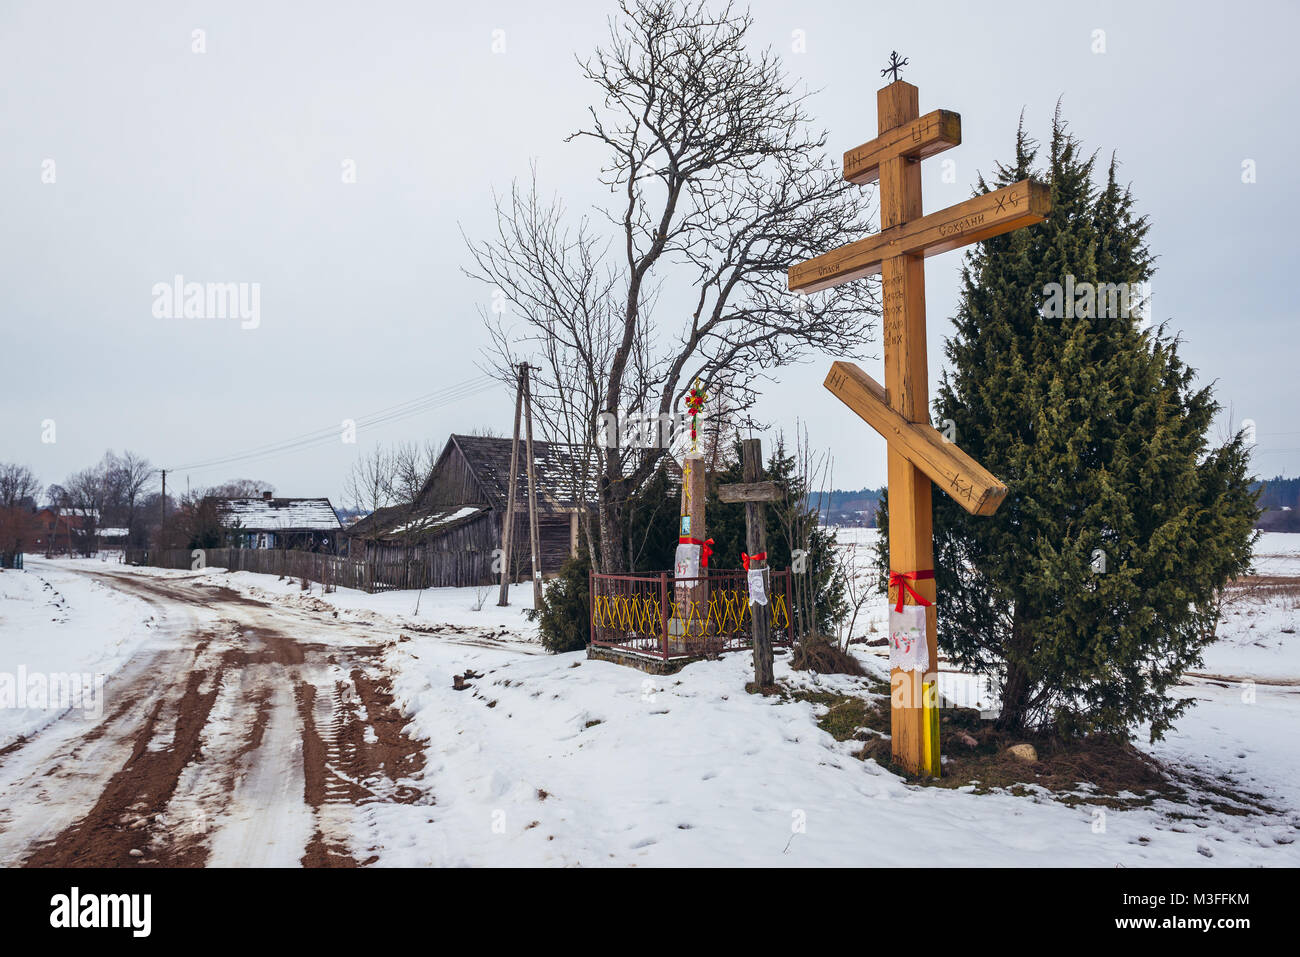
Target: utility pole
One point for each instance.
(508, 522)
(532, 490)
(163, 525)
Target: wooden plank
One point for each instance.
(926, 136)
(750, 492)
(1014, 206)
(972, 485)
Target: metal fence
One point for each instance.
(642, 614)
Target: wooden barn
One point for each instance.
(455, 524)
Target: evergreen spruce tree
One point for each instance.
(1095, 586)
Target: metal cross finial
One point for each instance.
(895, 64)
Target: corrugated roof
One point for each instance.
(278, 514)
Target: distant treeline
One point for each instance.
(858, 506)
(1279, 493)
(1280, 498)
(855, 507)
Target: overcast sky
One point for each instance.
(228, 166)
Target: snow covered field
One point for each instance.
(561, 760)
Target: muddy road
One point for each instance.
(246, 734)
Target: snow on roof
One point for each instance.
(278, 514)
(567, 475)
(411, 523)
(425, 522)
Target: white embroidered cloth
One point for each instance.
(907, 647)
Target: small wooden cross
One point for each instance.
(899, 409)
(754, 493)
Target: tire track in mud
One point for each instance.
(287, 708)
(139, 792)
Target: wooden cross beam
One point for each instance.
(971, 484)
(1000, 211)
(931, 134)
(899, 410)
(754, 493)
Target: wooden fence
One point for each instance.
(417, 569)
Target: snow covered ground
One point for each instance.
(470, 608)
(689, 769)
(57, 624)
(561, 760)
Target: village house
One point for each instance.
(62, 531)
(308, 524)
(456, 521)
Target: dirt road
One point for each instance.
(231, 740)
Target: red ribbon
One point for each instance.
(746, 559)
(901, 579)
(706, 548)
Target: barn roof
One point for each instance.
(557, 466)
(277, 514)
(411, 523)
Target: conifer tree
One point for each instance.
(1096, 584)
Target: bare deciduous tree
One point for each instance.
(18, 485)
(127, 476)
(369, 486)
(411, 464)
(718, 184)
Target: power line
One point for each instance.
(393, 413)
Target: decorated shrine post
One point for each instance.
(899, 410)
(693, 543)
(754, 493)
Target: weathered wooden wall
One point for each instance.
(452, 483)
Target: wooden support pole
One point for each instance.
(508, 520)
(533, 537)
(756, 544)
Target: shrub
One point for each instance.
(564, 620)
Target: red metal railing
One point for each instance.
(642, 614)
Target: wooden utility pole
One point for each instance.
(900, 409)
(508, 521)
(754, 493)
(162, 527)
(534, 539)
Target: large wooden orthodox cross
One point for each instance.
(899, 410)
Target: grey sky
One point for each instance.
(226, 166)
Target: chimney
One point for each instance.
(266, 496)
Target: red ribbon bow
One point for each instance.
(706, 548)
(901, 579)
(746, 559)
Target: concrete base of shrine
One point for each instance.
(651, 666)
